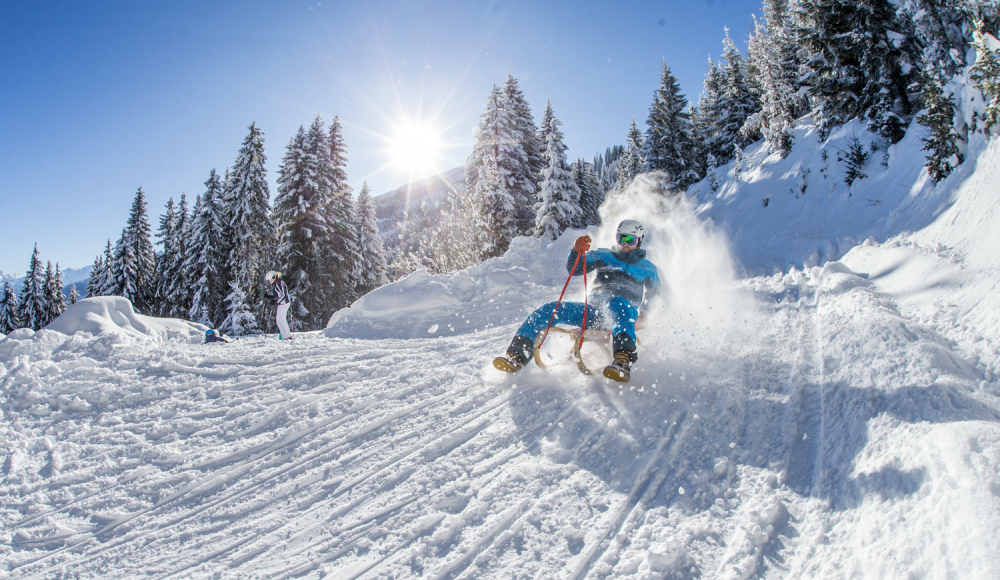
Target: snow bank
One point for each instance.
(115, 315)
(498, 292)
(799, 212)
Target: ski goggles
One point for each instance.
(628, 240)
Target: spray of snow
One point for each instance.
(701, 307)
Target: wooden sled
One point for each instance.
(599, 336)
(602, 337)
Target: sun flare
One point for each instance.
(416, 149)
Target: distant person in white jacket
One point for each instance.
(282, 299)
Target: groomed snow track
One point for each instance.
(351, 459)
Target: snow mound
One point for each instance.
(498, 292)
(115, 315)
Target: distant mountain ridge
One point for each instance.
(71, 277)
(391, 207)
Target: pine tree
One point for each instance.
(494, 209)
(249, 208)
(178, 286)
(942, 140)
(528, 137)
(240, 321)
(58, 298)
(205, 263)
(135, 259)
(49, 302)
(372, 249)
(773, 64)
(738, 102)
(543, 135)
(342, 255)
(10, 319)
(711, 166)
(854, 67)
(168, 222)
(558, 207)
(856, 159)
(32, 302)
(506, 134)
(591, 195)
(226, 242)
(300, 220)
(74, 295)
(497, 206)
(707, 120)
(670, 146)
(986, 73)
(96, 281)
(606, 167)
(108, 282)
(633, 160)
(55, 300)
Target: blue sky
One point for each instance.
(98, 98)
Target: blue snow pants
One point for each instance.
(618, 313)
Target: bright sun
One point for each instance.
(415, 149)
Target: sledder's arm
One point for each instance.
(653, 288)
(581, 245)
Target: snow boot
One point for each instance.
(518, 354)
(620, 369)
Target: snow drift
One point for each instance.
(115, 315)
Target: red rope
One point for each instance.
(583, 327)
(566, 285)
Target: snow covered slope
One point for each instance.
(824, 419)
(783, 213)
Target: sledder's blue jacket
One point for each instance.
(630, 275)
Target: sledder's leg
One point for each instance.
(518, 354)
(623, 317)
(570, 313)
(522, 347)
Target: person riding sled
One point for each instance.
(625, 282)
(283, 300)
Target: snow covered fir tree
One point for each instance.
(559, 194)
(502, 172)
(41, 298)
(205, 265)
(251, 232)
(10, 311)
(213, 258)
(33, 302)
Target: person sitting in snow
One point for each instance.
(212, 335)
(625, 281)
(283, 300)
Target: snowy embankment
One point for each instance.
(838, 419)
